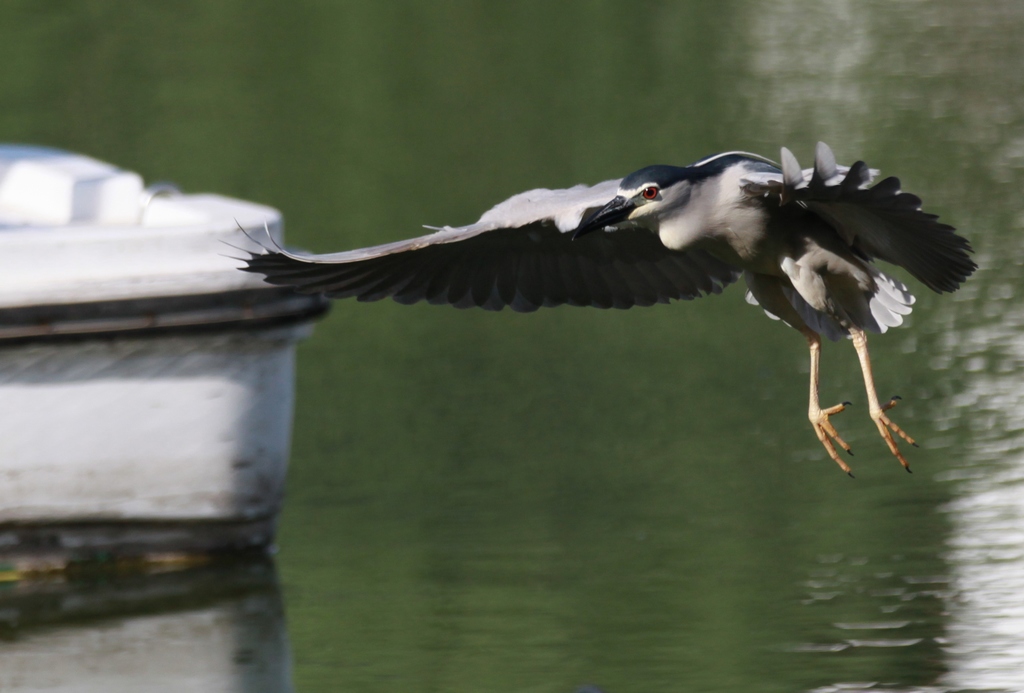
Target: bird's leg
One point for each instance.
(823, 428)
(877, 411)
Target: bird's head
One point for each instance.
(653, 194)
(644, 197)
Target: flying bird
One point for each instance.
(805, 242)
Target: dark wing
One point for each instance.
(520, 254)
(879, 222)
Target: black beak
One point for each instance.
(612, 213)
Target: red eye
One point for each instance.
(650, 193)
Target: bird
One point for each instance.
(805, 241)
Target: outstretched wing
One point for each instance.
(879, 222)
(519, 254)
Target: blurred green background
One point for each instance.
(504, 502)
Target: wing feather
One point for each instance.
(439, 287)
(415, 290)
(519, 254)
(460, 292)
(664, 286)
(621, 293)
(531, 283)
(643, 293)
(546, 280)
(600, 294)
(482, 283)
(383, 278)
(878, 222)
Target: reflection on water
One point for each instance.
(986, 625)
(900, 615)
(817, 82)
(216, 628)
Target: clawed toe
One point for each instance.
(885, 425)
(893, 401)
(819, 418)
(830, 438)
(828, 435)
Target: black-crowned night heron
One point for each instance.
(804, 241)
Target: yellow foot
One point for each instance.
(884, 424)
(826, 433)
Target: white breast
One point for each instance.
(720, 218)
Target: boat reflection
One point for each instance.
(213, 627)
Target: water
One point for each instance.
(632, 500)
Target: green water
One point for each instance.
(500, 502)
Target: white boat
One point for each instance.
(146, 385)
